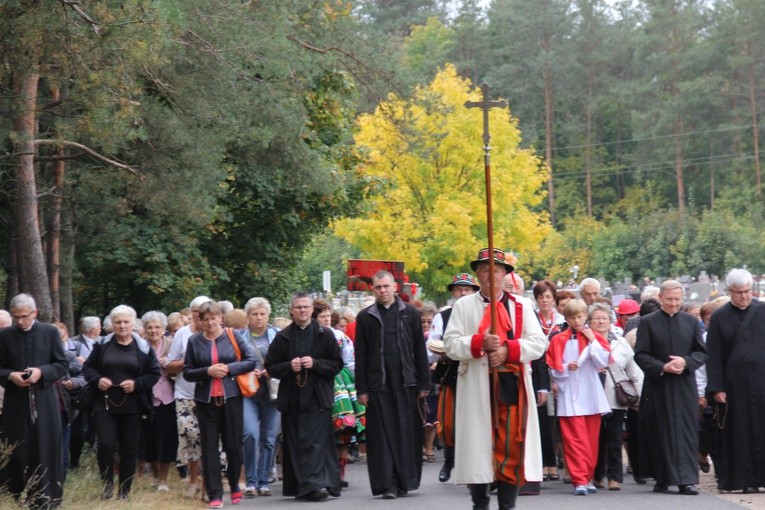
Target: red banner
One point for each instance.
(360, 273)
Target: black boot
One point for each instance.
(506, 495)
(479, 493)
(446, 469)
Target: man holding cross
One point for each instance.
(497, 406)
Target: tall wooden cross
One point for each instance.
(486, 104)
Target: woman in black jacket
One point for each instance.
(212, 362)
(124, 368)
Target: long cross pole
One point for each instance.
(486, 104)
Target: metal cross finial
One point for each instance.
(486, 104)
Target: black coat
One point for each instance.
(669, 402)
(327, 363)
(39, 444)
(737, 367)
(148, 370)
(370, 364)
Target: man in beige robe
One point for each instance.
(497, 434)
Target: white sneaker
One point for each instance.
(163, 488)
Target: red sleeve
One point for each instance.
(513, 351)
(476, 345)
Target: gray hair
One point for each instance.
(590, 282)
(598, 307)
(89, 323)
(428, 309)
(122, 310)
(23, 301)
(5, 319)
(671, 285)
(738, 278)
(154, 316)
(348, 313)
(650, 291)
(519, 281)
(197, 301)
(257, 302)
(225, 306)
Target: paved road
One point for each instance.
(555, 495)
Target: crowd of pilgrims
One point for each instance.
(164, 386)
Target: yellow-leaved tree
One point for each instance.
(426, 204)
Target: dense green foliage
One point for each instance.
(648, 115)
(229, 129)
(238, 121)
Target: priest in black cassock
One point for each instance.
(306, 358)
(392, 376)
(32, 359)
(669, 349)
(736, 345)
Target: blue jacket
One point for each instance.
(271, 332)
(199, 359)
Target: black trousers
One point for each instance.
(160, 435)
(709, 436)
(222, 422)
(117, 431)
(81, 431)
(610, 446)
(546, 437)
(633, 442)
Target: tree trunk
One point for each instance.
(67, 267)
(679, 166)
(737, 120)
(588, 145)
(12, 283)
(53, 234)
(755, 125)
(33, 274)
(621, 180)
(548, 80)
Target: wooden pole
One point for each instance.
(485, 105)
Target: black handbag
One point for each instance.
(85, 397)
